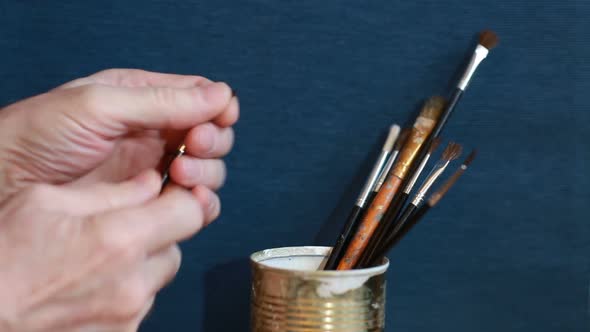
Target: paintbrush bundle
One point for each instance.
(382, 215)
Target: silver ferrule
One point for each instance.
(385, 171)
(479, 54)
(362, 199)
(416, 175)
(436, 172)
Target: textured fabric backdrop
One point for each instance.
(319, 82)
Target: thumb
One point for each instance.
(101, 197)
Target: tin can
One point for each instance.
(291, 293)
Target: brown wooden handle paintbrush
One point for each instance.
(422, 127)
(357, 211)
(387, 222)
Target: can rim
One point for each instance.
(259, 257)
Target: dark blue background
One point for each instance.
(319, 82)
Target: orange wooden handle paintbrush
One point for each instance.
(422, 128)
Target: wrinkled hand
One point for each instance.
(92, 258)
(112, 125)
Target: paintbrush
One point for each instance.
(423, 209)
(451, 152)
(423, 126)
(487, 41)
(166, 171)
(387, 223)
(399, 143)
(352, 221)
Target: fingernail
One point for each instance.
(206, 138)
(212, 208)
(233, 93)
(211, 203)
(216, 92)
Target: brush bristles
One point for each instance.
(434, 145)
(470, 158)
(488, 39)
(442, 191)
(401, 139)
(452, 151)
(391, 138)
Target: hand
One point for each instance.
(90, 259)
(114, 124)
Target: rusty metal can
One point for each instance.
(290, 293)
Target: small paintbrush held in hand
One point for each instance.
(384, 216)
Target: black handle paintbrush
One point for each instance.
(451, 152)
(391, 215)
(487, 41)
(423, 209)
(166, 171)
(352, 221)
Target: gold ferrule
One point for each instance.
(423, 126)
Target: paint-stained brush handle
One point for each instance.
(375, 211)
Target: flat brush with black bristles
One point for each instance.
(387, 224)
(423, 209)
(451, 152)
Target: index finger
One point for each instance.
(173, 217)
(118, 110)
(135, 78)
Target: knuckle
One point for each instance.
(165, 96)
(114, 245)
(131, 298)
(119, 76)
(89, 96)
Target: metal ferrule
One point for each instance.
(385, 171)
(436, 172)
(479, 54)
(362, 199)
(416, 175)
